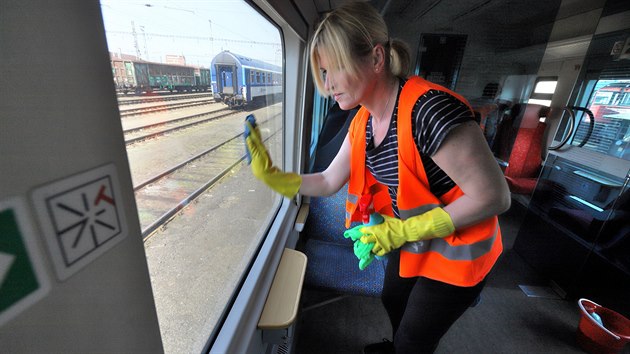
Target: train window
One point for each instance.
(321, 105)
(609, 133)
(202, 213)
(544, 89)
(548, 87)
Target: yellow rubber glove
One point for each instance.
(393, 233)
(285, 183)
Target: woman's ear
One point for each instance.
(378, 57)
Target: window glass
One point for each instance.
(546, 87)
(540, 102)
(543, 91)
(321, 105)
(609, 133)
(180, 83)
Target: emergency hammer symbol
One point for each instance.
(102, 196)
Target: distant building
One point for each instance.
(122, 56)
(175, 59)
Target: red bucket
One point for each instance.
(596, 338)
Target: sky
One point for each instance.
(185, 27)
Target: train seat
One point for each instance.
(525, 159)
(490, 116)
(505, 134)
(333, 132)
(332, 265)
(483, 112)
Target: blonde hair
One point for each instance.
(347, 35)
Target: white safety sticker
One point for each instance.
(82, 217)
(23, 278)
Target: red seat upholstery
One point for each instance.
(526, 155)
(525, 159)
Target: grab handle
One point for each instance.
(567, 135)
(591, 125)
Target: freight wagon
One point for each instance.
(138, 76)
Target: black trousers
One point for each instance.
(421, 310)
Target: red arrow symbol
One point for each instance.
(101, 196)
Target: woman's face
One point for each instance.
(346, 90)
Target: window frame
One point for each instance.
(238, 331)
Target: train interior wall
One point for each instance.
(53, 137)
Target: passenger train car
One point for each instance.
(239, 80)
(134, 224)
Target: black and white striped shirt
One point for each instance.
(433, 116)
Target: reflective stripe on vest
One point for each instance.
(407, 213)
(354, 199)
(451, 252)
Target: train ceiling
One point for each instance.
(525, 23)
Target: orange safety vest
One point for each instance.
(463, 258)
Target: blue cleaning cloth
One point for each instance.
(252, 120)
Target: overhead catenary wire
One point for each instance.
(174, 36)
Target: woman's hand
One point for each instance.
(393, 233)
(285, 183)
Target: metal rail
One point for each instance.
(163, 107)
(573, 125)
(160, 97)
(177, 127)
(568, 135)
(225, 162)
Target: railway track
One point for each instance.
(164, 107)
(137, 134)
(162, 196)
(124, 101)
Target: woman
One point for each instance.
(414, 146)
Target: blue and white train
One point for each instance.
(238, 80)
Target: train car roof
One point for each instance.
(228, 57)
(134, 59)
(617, 85)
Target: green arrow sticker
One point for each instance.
(6, 261)
(22, 280)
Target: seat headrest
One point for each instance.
(532, 115)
